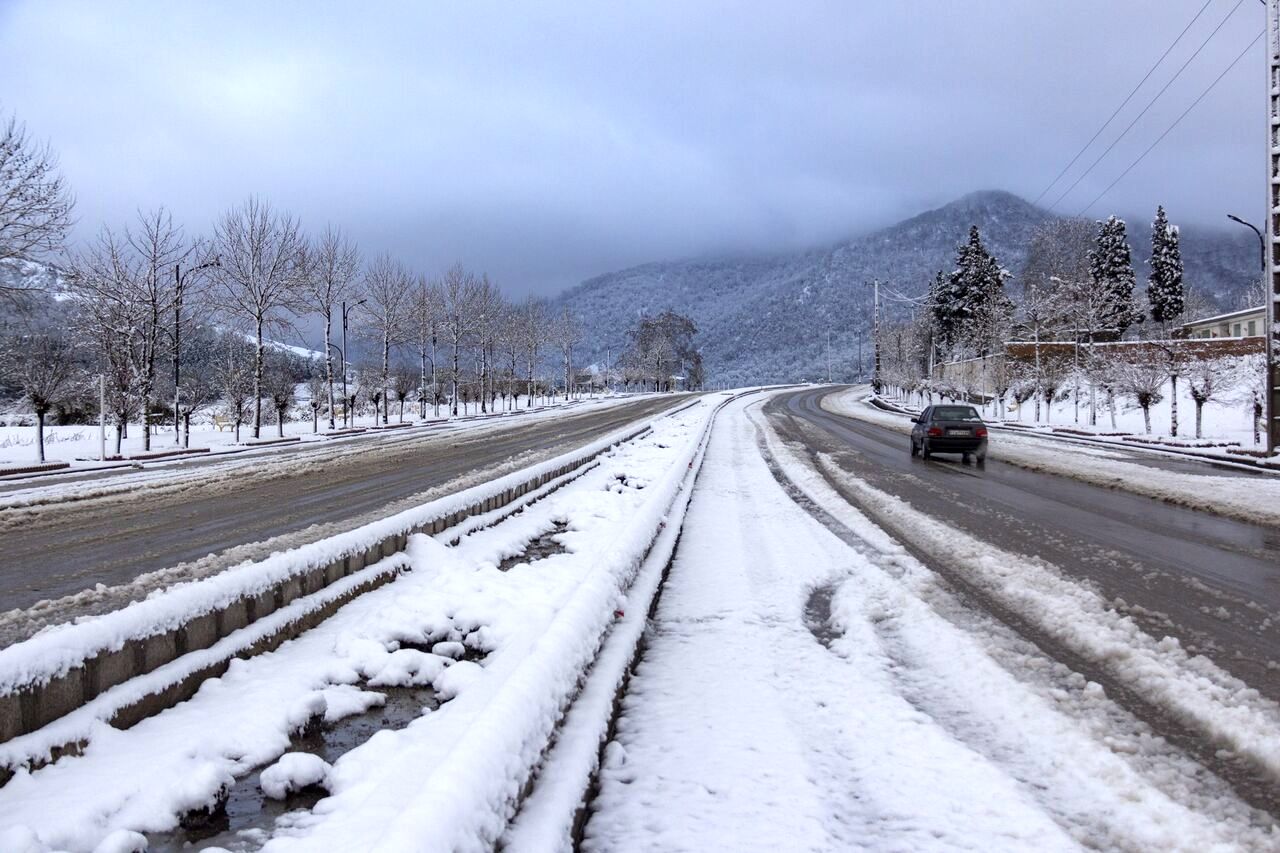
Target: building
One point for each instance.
(1238, 324)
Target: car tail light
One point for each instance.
(980, 432)
(935, 430)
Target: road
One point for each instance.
(1209, 581)
(62, 549)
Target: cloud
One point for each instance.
(548, 142)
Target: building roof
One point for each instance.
(1231, 315)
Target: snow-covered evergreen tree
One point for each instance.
(1164, 284)
(969, 304)
(1111, 268)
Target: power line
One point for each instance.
(1149, 105)
(1142, 156)
(1123, 103)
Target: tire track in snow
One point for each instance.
(1246, 779)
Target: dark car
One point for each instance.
(949, 429)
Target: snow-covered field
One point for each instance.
(1256, 500)
(502, 650)
(79, 444)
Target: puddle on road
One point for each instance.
(817, 615)
(544, 546)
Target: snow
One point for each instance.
(451, 778)
(292, 772)
(803, 685)
(907, 730)
(79, 443)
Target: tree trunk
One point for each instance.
(1199, 409)
(1146, 415)
(386, 370)
(257, 380)
(280, 421)
(40, 435)
(328, 362)
(1173, 403)
(453, 406)
(186, 429)
(435, 384)
(422, 383)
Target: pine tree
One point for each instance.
(969, 302)
(1164, 284)
(1165, 293)
(1111, 268)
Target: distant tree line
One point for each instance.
(164, 325)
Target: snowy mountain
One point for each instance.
(765, 319)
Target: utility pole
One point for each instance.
(875, 333)
(1272, 285)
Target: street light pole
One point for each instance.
(346, 401)
(179, 281)
(1262, 241)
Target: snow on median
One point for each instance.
(450, 779)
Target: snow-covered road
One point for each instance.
(799, 693)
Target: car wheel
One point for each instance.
(924, 449)
(915, 449)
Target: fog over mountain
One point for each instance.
(765, 319)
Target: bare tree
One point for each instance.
(458, 297)
(403, 383)
(158, 245)
(1144, 378)
(427, 311)
(234, 374)
(332, 277)
(317, 388)
(41, 366)
(387, 311)
(1206, 379)
(263, 261)
(566, 332)
(533, 335)
(35, 203)
(280, 388)
(487, 310)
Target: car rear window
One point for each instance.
(955, 413)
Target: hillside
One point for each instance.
(765, 319)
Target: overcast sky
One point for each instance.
(547, 142)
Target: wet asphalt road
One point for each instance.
(63, 549)
(1212, 582)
